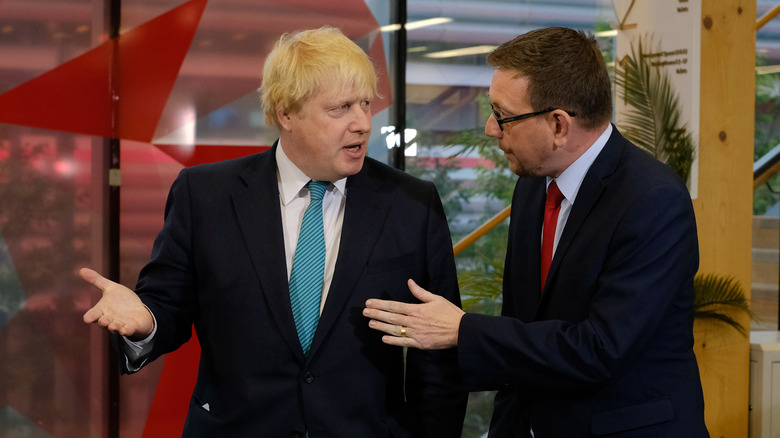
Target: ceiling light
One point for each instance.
(475, 50)
(606, 33)
(416, 24)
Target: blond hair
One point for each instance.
(303, 63)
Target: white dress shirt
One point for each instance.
(570, 180)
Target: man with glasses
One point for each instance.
(596, 332)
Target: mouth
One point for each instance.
(355, 147)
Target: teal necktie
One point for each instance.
(309, 267)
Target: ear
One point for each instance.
(562, 127)
(283, 115)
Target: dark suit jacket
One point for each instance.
(219, 264)
(606, 349)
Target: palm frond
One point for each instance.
(652, 120)
(481, 285)
(722, 317)
(714, 294)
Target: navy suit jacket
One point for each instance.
(219, 264)
(606, 348)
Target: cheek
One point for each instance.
(515, 148)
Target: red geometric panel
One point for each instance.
(173, 392)
(141, 65)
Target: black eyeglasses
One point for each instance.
(501, 121)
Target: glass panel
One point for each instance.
(52, 365)
(766, 208)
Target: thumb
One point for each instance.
(420, 293)
(95, 279)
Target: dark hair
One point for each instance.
(564, 68)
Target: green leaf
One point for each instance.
(652, 119)
(717, 296)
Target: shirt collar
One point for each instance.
(570, 180)
(291, 179)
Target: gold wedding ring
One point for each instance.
(403, 331)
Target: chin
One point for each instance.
(354, 166)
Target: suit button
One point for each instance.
(308, 378)
(296, 434)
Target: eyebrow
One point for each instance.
(496, 106)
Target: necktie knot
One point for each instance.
(554, 195)
(317, 189)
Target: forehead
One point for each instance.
(339, 93)
(507, 89)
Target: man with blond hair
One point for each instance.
(285, 350)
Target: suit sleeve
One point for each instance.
(433, 382)
(639, 282)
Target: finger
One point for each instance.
(92, 315)
(376, 314)
(392, 319)
(118, 328)
(420, 293)
(401, 342)
(387, 317)
(390, 329)
(108, 323)
(95, 279)
(389, 306)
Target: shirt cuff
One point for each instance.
(136, 352)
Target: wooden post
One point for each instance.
(725, 200)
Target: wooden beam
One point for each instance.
(724, 206)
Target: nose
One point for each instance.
(361, 120)
(492, 129)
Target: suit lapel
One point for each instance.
(256, 203)
(366, 209)
(592, 186)
(525, 233)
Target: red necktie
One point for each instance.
(551, 209)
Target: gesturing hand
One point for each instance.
(432, 325)
(119, 310)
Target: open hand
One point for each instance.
(119, 310)
(431, 325)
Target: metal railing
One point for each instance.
(482, 230)
(766, 167)
(772, 13)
